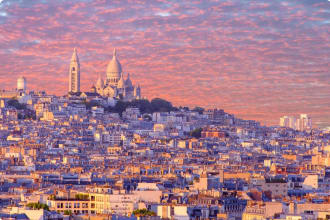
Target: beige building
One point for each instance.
(261, 210)
(104, 200)
(278, 187)
(100, 201)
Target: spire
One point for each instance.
(74, 73)
(99, 82)
(75, 56)
(128, 82)
(100, 76)
(121, 83)
(114, 52)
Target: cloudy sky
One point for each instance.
(258, 59)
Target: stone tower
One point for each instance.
(74, 73)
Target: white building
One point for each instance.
(74, 73)
(21, 83)
(115, 85)
(288, 121)
(302, 123)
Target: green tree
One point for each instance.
(67, 212)
(143, 213)
(14, 103)
(37, 206)
(197, 133)
(91, 104)
(198, 109)
(161, 105)
(143, 104)
(156, 105)
(120, 107)
(81, 196)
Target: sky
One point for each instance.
(257, 59)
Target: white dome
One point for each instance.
(121, 83)
(128, 82)
(99, 83)
(114, 67)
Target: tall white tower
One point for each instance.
(74, 73)
(304, 122)
(21, 83)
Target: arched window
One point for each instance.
(73, 69)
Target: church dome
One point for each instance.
(114, 67)
(99, 83)
(128, 82)
(121, 83)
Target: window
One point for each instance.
(73, 69)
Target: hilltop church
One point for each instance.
(115, 86)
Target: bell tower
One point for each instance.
(74, 73)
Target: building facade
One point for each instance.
(115, 84)
(304, 122)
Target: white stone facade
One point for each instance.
(115, 85)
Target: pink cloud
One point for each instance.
(259, 60)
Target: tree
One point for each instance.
(198, 109)
(67, 212)
(147, 118)
(120, 107)
(143, 104)
(81, 196)
(143, 213)
(37, 206)
(161, 105)
(91, 104)
(27, 114)
(197, 133)
(156, 105)
(15, 103)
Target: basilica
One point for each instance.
(115, 85)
